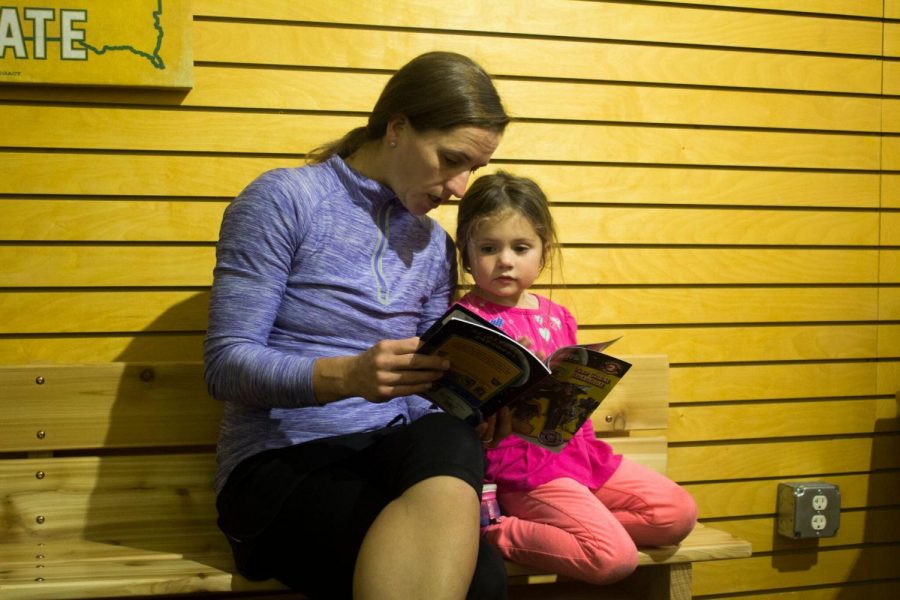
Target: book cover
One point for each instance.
(549, 402)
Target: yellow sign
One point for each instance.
(143, 43)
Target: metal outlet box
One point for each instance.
(808, 509)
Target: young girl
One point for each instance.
(581, 512)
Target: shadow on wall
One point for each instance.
(153, 491)
(871, 530)
(880, 557)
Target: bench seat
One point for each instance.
(105, 481)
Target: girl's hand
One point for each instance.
(495, 428)
(388, 369)
(528, 343)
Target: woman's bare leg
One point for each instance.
(424, 544)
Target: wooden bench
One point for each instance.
(105, 476)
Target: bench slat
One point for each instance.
(121, 405)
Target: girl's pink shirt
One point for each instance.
(517, 465)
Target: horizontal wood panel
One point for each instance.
(679, 266)
(329, 47)
(110, 174)
(157, 347)
(875, 526)
(890, 115)
(117, 405)
(603, 143)
(729, 499)
(892, 38)
(889, 266)
(169, 130)
(889, 377)
(890, 229)
(890, 195)
(648, 23)
(891, 9)
(110, 220)
(154, 310)
(187, 221)
(706, 226)
(172, 266)
(756, 343)
(311, 90)
(891, 77)
(87, 474)
(114, 405)
(783, 459)
(773, 382)
(889, 340)
(104, 311)
(729, 187)
(781, 419)
(799, 569)
(855, 590)
(682, 344)
(688, 106)
(858, 8)
(106, 174)
(889, 303)
(107, 266)
(172, 130)
(891, 153)
(168, 266)
(653, 306)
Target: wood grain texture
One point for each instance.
(129, 405)
(832, 566)
(185, 221)
(223, 177)
(876, 590)
(878, 526)
(860, 8)
(149, 347)
(891, 74)
(756, 497)
(99, 265)
(783, 459)
(328, 47)
(714, 383)
(258, 88)
(686, 344)
(83, 310)
(724, 175)
(693, 25)
(774, 420)
(152, 129)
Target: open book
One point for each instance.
(549, 401)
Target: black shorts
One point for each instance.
(299, 514)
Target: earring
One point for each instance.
(392, 144)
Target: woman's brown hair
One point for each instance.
(436, 90)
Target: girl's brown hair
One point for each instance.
(492, 196)
(436, 90)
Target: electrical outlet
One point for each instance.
(818, 522)
(820, 502)
(808, 509)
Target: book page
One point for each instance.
(552, 412)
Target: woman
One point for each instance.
(334, 477)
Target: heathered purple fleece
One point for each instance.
(314, 261)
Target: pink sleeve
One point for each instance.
(570, 326)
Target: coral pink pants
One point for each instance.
(591, 535)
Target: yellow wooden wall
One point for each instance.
(725, 173)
